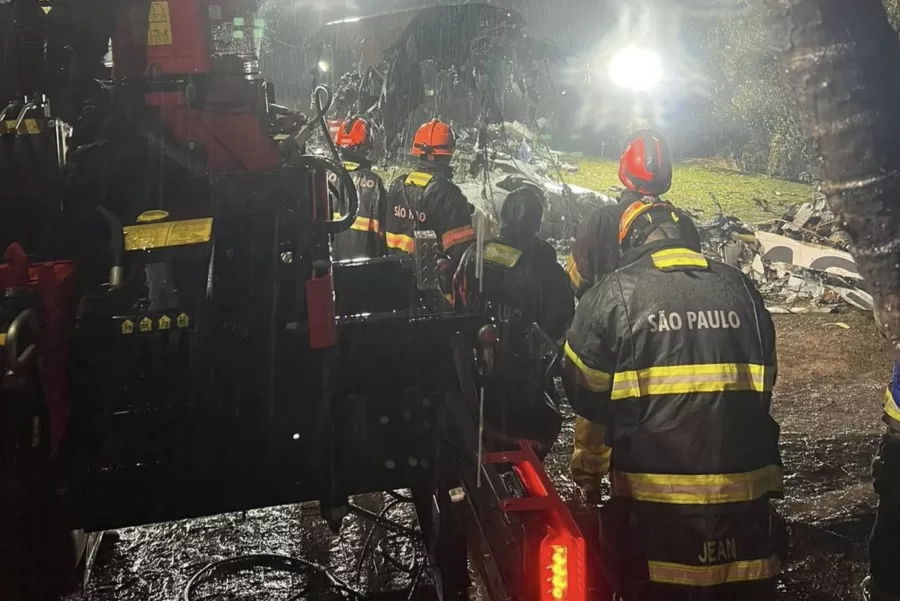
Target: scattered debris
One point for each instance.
(799, 261)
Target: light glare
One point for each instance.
(635, 69)
(324, 67)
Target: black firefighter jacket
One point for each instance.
(595, 253)
(522, 284)
(427, 199)
(365, 238)
(675, 354)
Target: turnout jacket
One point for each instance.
(523, 281)
(675, 354)
(595, 253)
(427, 199)
(522, 284)
(365, 238)
(892, 400)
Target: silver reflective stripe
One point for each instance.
(687, 379)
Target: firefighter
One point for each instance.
(427, 198)
(365, 238)
(645, 169)
(883, 583)
(522, 284)
(521, 276)
(675, 355)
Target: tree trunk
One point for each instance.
(842, 63)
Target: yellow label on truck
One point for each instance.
(28, 126)
(159, 31)
(172, 233)
(159, 23)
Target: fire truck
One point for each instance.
(175, 339)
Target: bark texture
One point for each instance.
(841, 60)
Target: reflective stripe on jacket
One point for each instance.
(675, 355)
(892, 400)
(365, 238)
(595, 253)
(526, 284)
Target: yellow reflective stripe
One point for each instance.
(500, 254)
(686, 379)
(457, 235)
(890, 405)
(362, 224)
(366, 224)
(401, 242)
(596, 380)
(698, 489)
(665, 572)
(574, 275)
(678, 257)
(419, 179)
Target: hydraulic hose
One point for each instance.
(321, 111)
(344, 223)
(335, 166)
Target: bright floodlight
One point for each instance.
(324, 66)
(635, 69)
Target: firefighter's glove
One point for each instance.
(590, 460)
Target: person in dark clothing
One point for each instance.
(645, 169)
(427, 198)
(522, 277)
(674, 355)
(522, 284)
(365, 238)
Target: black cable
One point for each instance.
(380, 520)
(386, 555)
(400, 496)
(365, 548)
(295, 565)
(415, 582)
(321, 111)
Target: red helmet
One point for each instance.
(434, 139)
(646, 166)
(352, 133)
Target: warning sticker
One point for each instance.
(162, 235)
(183, 321)
(158, 23)
(28, 126)
(146, 325)
(127, 327)
(165, 323)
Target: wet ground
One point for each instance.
(828, 401)
(832, 370)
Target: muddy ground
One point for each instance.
(832, 371)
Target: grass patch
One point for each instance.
(742, 195)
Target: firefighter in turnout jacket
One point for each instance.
(675, 355)
(522, 278)
(522, 284)
(883, 583)
(365, 238)
(427, 198)
(645, 169)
